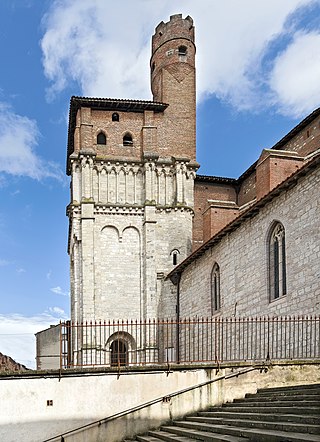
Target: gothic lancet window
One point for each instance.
(277, 262)
(215, 288)
(101, 138)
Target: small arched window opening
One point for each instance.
(127, 139)
(115, 116)
(119, 353)
(277, 262)
(101, 138)
(215, 289)
(182, 50)
(175, 254)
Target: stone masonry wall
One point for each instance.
(242, 257)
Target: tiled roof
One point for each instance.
(216, 179)
(290, 182)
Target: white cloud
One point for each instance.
(17, 338)
(107, 51)
(58, 291)
(19, 137)
(4, 262)
(57, 311)
(295, 79)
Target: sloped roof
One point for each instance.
(277, 146)
(290, 182)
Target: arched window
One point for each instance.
(277, 262)
(101, 138)
(175, 253)
(119, 353)
(127, 139)
(182, 50)
(115, 116)
(215, 288)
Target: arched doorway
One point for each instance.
(119, 353)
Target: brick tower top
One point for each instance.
(172, 44)
(173, 80)
(176, 28)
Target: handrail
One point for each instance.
(155, 401)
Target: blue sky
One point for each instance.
(258, 75)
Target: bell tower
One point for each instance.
(173, 81)
(132, 167)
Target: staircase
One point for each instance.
(273, 414)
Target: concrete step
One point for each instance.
(165, 436)
(276, 403)
(282, 414)
(189, 435)
(283, 397)
(307, 419)
(278, 425)
(208, 433)
(146, 438)
(292, 389)
(270, 409)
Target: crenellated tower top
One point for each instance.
(173, 79)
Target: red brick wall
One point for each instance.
(307, 140)
(215, 219)
(202, 192)
(173, 82)
(274, 169)
(247, 190)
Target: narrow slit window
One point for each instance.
(175, 258)
(174, 255)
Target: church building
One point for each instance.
(132, 165)
(150, 238)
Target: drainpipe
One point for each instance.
(175, 279)
(178, 318)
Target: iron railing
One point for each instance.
(188, 341)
